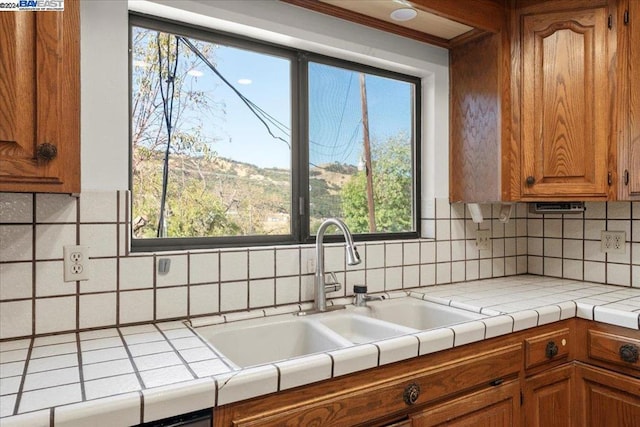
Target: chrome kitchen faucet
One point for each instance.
(352, 258)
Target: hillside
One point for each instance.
(245, 196)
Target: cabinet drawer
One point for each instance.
(383, 399)
(546, 348)
(618, 349)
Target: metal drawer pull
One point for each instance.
(629, 353)
(552, 350)
(411, 394)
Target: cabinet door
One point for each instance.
(39, 100)
(609, 399)
(476, 136)
(494, 407)
(633, 155)
(565, 104)
(548, 398)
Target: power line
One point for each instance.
(258, 112)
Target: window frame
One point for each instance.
(299, 208)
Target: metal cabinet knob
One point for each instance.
(551, 350)
(530, 180)
(629, 353)
(46, 152)
(411, 394)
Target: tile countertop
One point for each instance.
(128, 375)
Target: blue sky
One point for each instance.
(335, 109)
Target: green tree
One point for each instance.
(392, 188)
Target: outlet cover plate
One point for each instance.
(613, 242)
(483, 240)
(76, 263)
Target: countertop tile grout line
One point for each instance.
(24, 377)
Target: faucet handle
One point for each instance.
(359, 289)
(331, 283)
(331, 279)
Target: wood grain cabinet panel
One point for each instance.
(495, 407)
(629, 100)
(547, 348)
(617, 349)
(40, 100)
(477, 130)
(565, 104)
(362, 403)
(633, 157)
(609, 399)
(549, 398)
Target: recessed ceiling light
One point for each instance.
(245, 81)
(404, 14)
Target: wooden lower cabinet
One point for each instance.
(381, 396)
(494, 407)
(502, 381)
(609, 399)
(548, 398)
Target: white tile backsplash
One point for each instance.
(203, 268)
(101, 239)
(16, 208)
(136, 306)
(99, 206)
(234, 265)
(21, 245)
(171, 302)
(177, 274)
(204, 299)
(261, 293)
(16, 280)
(261, 263)
(97, 310)
(233, 296)
(136, 272)
(55, 314)
(221, 280)
(15, 318)
(58, 208)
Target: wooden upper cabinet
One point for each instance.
(40, 100)
(629, 100)
(633, 165)
(479, 162)
(565, 111)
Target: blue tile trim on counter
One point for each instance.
(129, 375)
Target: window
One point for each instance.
(236, 142)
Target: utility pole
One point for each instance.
(367, 154)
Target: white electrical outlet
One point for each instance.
(483, 240)
(612, 242)
(76, 263)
